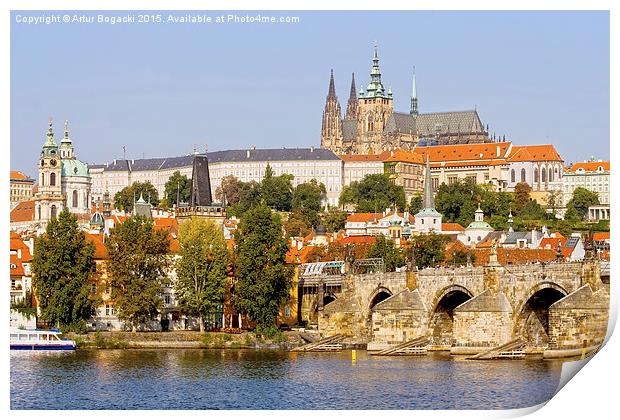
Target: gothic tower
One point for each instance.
(374, 110)
(352, 104)
(331, 128)
(49, 198)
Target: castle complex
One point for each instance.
(371, 125)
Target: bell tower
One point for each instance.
(374, 108)
(49, 198)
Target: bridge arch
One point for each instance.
(380, 294)
(532, 314)
(441, 316)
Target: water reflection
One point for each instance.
(225, 379)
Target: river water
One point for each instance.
(248, 379)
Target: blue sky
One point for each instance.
(537, 77)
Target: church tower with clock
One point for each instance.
(49, 198)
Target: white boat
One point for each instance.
(39, 340)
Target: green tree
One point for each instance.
(579, 203)
(334, 220)
(249, 196)
(277, 191)
(177, 185)
(137, 264)
(62, 263)
(301, 221)
(554, 200)
(201, 269)
(125, 198)
(429, 249)
(374, 193)
(416, 204)
(522, 196)
(229, 192)
(458, 202)
(309, 195)
(263, 278)
(461, 257)
(386, 249)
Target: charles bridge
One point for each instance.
(557, 309)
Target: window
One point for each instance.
(287, 311)
(74, 202)
(107, 310)
(167, 299)
(550, 175)
(543, 175)
(522, 174)
(535, 175)
(53, 210)
(452, 180)
(53, 179)
(512, 175)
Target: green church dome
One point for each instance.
(74, 167)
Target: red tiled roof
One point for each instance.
(365, 158)
(464, 152)
(364, 217)
(452, 227)
(589, 166)
(17, 269)
(18, 175)
(601, 236)
(23, 212)
(404, 156)
(551, 243)
(355, 240)
(101, 253)
(539, 152)
(514, 256)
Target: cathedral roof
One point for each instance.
(448, 122)
(538, 152)
(400, 122)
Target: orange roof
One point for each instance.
(552, 243)
(17, 269)
(101, 253)
(357, 240)
(601, 236)
(23, 212)
(15, 175)
(364, 217)
(404, 156)
(514, 256)
(462, 152)
(366, 158)
(589, 166)
(538, 152)
(18, 243)
(452, 227)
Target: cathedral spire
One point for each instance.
(414, 97)
(375, 88)
(331, 93)
(352, 104)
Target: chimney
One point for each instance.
(311, 149)
(19, 253)
(247, 154)
(498, 151)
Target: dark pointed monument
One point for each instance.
(201, 200)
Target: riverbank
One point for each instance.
(186, 340)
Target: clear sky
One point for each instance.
(537, 77)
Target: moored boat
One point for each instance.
(39, 340)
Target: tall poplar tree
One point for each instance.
(263, 278)
(137, 264)
(62, 263)
(201, 270)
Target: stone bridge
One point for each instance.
(557, 308)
